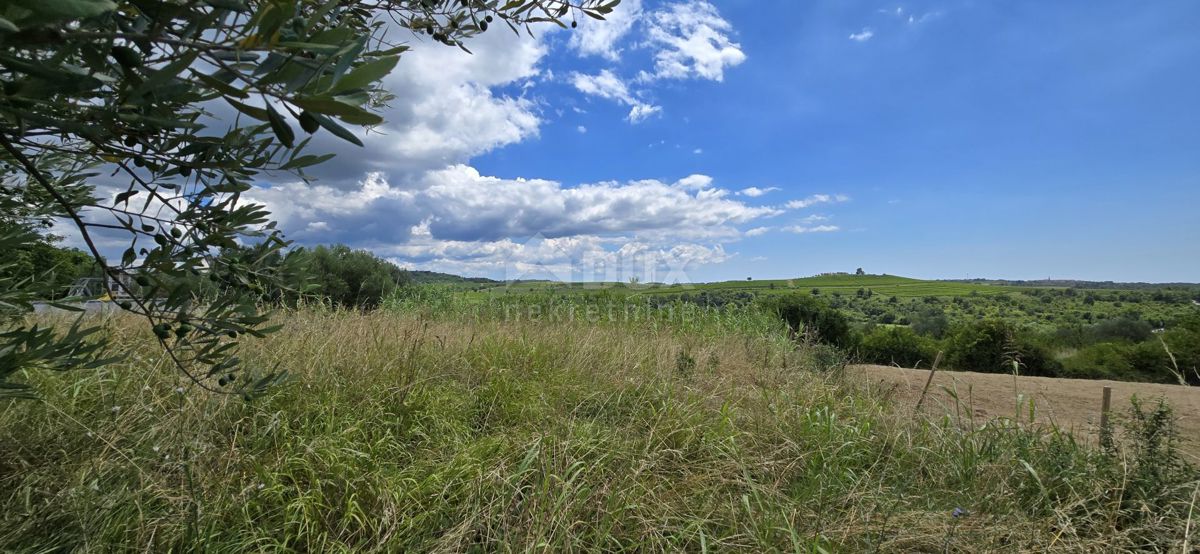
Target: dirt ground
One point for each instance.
(1071, 404)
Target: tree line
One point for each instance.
(336, 275)
(1126, 348)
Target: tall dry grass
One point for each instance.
(406, 433)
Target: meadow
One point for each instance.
(891, 285)
(449, 428)
(864, 297)
(186, 367)
(1130, 332)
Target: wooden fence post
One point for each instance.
(1105, 403)
(936, 360)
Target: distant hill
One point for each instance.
(1071, 283)
(833, 282)
(434, 277)
(846, 283)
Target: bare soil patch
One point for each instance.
(1070, 404)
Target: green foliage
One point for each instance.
(41, 347)
(1045, 328)
(136, 89)
(1183, 344)
(349, 278)
(48, 268)
(896, 345)
(429, 300)
(1099, 361)
(1147, 361)
(429, 277)
(991, 346)
(805, 314)
(1155, 472)
(24, 346)
(685, 364)
(1123, 328)
(931, 323)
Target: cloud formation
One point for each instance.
(909, 17)
(812, 229)
(602, 38)
(863, 35)
(412, 196)
(817, 199)
(755, 192)
(447, 109)
(686, 40)
(691, 40)
(456, 215)
(607, 85)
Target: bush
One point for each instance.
(1184, 343)
(1146, 360)
(979, 346)
(807, 314)
(351, 278)
(1154, 470)
(896, 345)
(991, 345)
(49, 269)
(1150, 362)
(1099, 361)
(931, 323)
(1123, 328)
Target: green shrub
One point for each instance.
(1122, 328)
(805, 314)
(1099, 361)
(1144, 361)
(991, 345)
(931, 323)
(1184, 343)
(1154, 471)
(1150, 362)
(49, 269)
(980, 346)
(896, 345)
(350, 278)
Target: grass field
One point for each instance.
(888, 285)
(889, 299)
(406, 432)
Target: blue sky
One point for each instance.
(927, 139)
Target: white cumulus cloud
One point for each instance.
(863, 35)
(457, 218)
(691, 40)
(412, 196)
(816, 199)
(812, 229)
(608, 85)
(602, 38)
(686, 40)
(447, 109)
(755, 192)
